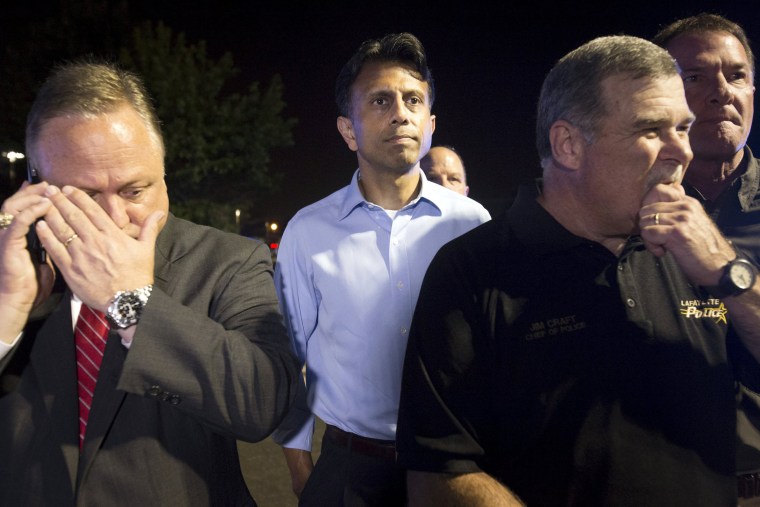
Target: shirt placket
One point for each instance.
(399, 271)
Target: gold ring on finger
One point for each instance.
(5, 220)
(71, 238)
(656, 219)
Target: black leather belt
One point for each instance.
(748, 485)
(384, 449)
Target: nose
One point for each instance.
(721, 93)
(399, 112)
(676, 148)
(116, 209)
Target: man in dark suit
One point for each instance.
(197, 355)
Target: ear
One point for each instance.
(346, 129)
(568, 144)
(432, 123)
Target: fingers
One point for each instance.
(684, 229)
(664, 193)
(26, 205)
(95, 255)
(80, 206)
(67, 217)
(151, 227)
(656, 250)
(55, 247)
(28, 195)
(653, 229)
(23, 220)
(663, 219)
(70, 239)
(20, 286)
(65, 223)
(74, 215)
(684, 210)
(650, 220)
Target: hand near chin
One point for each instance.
(670, 221)
(96, 256)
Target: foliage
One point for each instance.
(81, 28)
(218, 140)
(218, 145)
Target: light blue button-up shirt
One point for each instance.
(348, 276)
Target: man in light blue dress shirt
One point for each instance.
(349, 272)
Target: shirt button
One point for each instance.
(630, 302)
(620, 267)
(403, 330)
(395, 242)
(400, 285)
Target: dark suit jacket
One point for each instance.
(210, 363)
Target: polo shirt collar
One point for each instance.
(535, 227)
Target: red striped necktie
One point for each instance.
(90, 337)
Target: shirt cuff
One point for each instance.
(7, 347)
(297, 429)
(295, 437)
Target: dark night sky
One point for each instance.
(488, 63)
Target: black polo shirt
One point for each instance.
(572, 376)
(736, 210)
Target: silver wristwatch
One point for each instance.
(126, 306)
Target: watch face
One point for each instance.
(742, 275)
(128, 307)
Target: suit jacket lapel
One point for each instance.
(108, 399)
(54, 344)
(170, 247)
(105, 403)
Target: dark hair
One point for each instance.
(572, 90)
(705, 22)
(87, 88)
(404, 48)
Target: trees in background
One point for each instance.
(219, 140)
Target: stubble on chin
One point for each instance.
(403, 163)
(718, 144)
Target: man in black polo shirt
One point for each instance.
(575, 351)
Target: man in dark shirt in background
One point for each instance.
(718, 70)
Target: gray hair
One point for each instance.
(572, 90)
(88, 89)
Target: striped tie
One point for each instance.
(90, 337)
